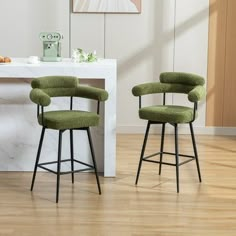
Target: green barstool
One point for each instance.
(171, 82)
(43, 89)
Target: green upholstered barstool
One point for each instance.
(171, 82)
(43, 89)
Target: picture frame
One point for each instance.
(106, 6)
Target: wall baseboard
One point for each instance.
(183, 129)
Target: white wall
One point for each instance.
(168, 35)
(191, 44)
(144, 48)
(22, 21)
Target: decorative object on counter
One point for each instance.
(33, 60)
(51, 46)
(107, 6)
(5, 59)
(78, 55)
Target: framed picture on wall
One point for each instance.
(106, 6)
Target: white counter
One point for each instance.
(19, 130)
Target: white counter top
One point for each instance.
(103, 69)
(20, 68)
(65, 62)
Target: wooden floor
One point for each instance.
(151, 208)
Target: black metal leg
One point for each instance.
(195, 151)
(94, 160)
(37, 157)
(72, 154)
(162, 145)
(177, 156)
(59, 164)
(142, 152)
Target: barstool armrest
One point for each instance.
(91, 93)
(148, 88)
(197, 94)
(40, 97)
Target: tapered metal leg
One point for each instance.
(94, 160)
(195, 151)
(59, 164)
(177, 156)
(72, 154)
(142, 152)
(37, 157)
(162, 146)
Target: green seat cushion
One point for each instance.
(167, 114)
(66, 119)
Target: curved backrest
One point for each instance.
(56, 86)
(181, 78)
(174, 82)
(179, 82)
(62, 86)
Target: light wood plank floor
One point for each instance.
(151, 208)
